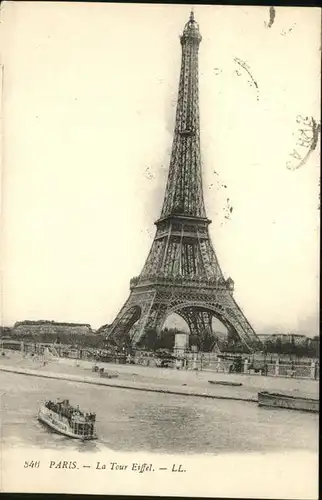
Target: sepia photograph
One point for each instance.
(160, 220)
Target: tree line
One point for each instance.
(153, 342)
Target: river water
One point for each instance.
(145, 421)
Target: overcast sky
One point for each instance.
(89, 94)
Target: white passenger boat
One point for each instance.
(288, 401)
(68, 420)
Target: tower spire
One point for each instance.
(184, 193)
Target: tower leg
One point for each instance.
(141, 316)
(131, 319)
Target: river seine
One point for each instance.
(129, 420)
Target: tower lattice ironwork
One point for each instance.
(181, 273)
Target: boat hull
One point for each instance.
(275, 400)
(223, 382)
(61, 427)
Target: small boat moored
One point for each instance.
(68, 420)
(288, 401)
(224, 382)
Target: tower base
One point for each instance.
(142, 317)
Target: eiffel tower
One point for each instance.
(181, 274)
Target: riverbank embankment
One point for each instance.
(162, 380)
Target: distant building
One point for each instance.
(264, 337)
(284, 338)
(42, 327)
(299, 339)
